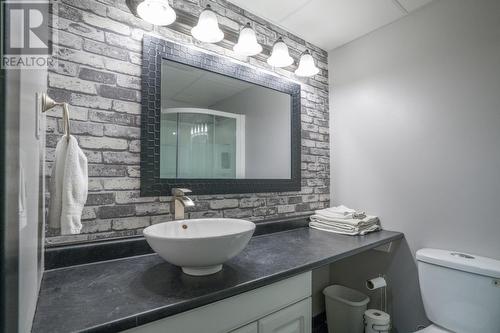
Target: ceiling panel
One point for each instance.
(330, 23)
(413, 4)
(189, 86)
(272, 10)
(179, 79)
(341, 21)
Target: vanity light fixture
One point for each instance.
(280, 56)
(247, 42)
(207, 30)
(157, 12)
(307, 67)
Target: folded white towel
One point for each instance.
(354, 222)
(68, 187)
(344, 220)
(340, 212)
(337, 230)
(345, 226)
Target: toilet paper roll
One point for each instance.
(376, 283)
(377, 321)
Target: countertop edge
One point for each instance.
(170, 310)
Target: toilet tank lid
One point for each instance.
(461, 261)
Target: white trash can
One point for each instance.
(344, 309)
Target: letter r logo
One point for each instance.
(27, 27)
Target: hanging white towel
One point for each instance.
(68, 187)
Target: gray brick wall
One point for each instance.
(98, 71)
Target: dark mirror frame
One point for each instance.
(154, 50)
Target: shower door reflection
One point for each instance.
(202, 144)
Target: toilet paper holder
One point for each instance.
(379, 282)
(376, 283)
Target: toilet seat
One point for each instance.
(433, 329)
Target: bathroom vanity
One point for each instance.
(216, 127)
(265, 288)
(283, 306)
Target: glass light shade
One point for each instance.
(207, 30)
(307, 67)
(280, 56)
(157, 12)
(247, 42)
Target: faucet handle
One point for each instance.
(179, 192)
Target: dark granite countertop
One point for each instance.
(119, 294)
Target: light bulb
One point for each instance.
(157, 12)
(307, 67)
(280, 56)
(207, 30)
(247, 42)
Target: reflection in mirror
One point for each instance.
(217, 127)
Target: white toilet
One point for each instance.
(460, 292)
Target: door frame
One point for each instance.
(9, 231)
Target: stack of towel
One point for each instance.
(343, 220)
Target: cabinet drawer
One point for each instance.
(293, 319)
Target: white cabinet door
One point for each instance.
(224, 315)
(250, 328)
(293, 319)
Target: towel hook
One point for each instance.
(66, 120)
(48, 103)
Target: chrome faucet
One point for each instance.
(179, 202)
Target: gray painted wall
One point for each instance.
(416, 126)
(98, 72)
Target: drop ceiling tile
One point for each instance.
(272, 11)
(411, 5)
(329, 23)
(332, 23)
(177, 79)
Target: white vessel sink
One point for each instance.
(199, 246)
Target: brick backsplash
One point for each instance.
(98, 48)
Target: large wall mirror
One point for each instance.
(216, 126)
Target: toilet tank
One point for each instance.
(460, 292)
